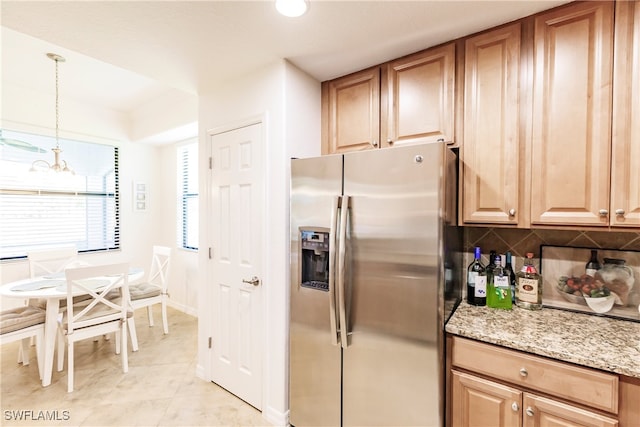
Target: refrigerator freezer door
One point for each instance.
(315, 354)
(392, 367)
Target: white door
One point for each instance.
(237, 224)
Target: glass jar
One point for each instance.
(617, 277)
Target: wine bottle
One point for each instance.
(489, 267)
(508, 268)
(476, 281)
(593, 264)
(529, 286)
(499, 288)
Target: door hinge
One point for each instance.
(210, 253)
(210, 162)
(210, 342)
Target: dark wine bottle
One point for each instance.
(593, 265)
(508, 268)
(476, 281)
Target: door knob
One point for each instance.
(253, 281)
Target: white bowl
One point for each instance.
(601, 304)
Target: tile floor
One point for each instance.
(160, 389)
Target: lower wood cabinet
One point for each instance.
(494, 386)
(480, 402)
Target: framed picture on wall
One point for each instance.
(596, 281)
(140, 196)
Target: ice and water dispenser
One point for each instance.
(314, 257)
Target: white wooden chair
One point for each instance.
(21, 324)
(51, 261)
(100, 314)
(153, 291)
(46, 262)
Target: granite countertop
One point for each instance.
(598, 342)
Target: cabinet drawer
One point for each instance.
(581, 385)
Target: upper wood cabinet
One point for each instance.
(408, 100)
(420, 97)
(492, 146)
(351, 112)
(572, 114)
(625, 164)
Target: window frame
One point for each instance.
(185, 184)
(98, 204)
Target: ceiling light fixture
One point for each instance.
(291, 8)
(58, 165)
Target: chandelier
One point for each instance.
(58, 164)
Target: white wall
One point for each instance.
(289, 100)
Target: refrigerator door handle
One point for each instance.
(332, 268)
(344, 327)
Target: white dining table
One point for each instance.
(52, 288)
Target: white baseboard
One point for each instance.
(183, 308)
(275, 417)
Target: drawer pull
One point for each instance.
(529, 411)
(523, 372)
(515, 406)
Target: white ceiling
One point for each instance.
(124, 53)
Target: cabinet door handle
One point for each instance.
(390, 141)
(374, 143)
(603, 212)
(512, 212)
(515, 407)
(523, 372)
(619, 211)
(529, 411)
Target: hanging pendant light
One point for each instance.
(58, 164)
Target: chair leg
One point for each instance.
(23, 353)
(165, 322)
(125, 356)
(118, 349)
(70, 367)
(133, 333)
(61, 345)
(150, 314)
(39, 339)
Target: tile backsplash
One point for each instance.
(521, 241)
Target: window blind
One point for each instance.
(188, 195)
(46, 209)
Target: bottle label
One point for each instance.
(472, 277)
(501, 281)
(591, 271)
(528, 290)
(480, 290)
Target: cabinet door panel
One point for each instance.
(421, 97)
(625, 172)
(354, 111)
(572, 115)
(491, 148)
(543, 412)
(479, 402)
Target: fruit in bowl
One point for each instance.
(570, 288)
(600, 300)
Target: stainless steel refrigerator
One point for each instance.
(375, 268)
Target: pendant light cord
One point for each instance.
(57, 108)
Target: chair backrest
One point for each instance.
(101, 283)
(51, 261)
(159, 272)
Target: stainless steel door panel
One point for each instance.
(315, 357)
(392, 371)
